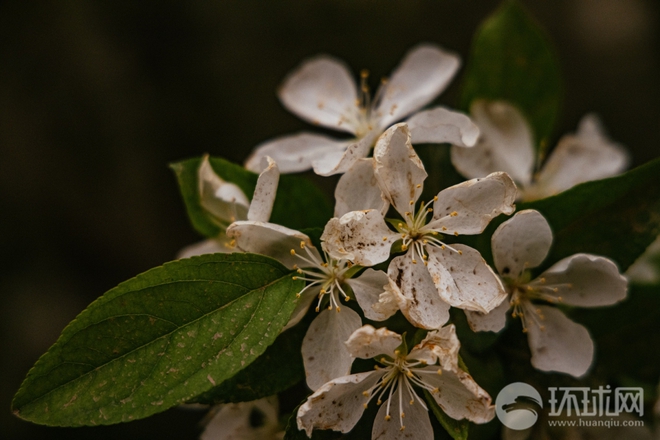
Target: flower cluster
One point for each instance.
(423, 269)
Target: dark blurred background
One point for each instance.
(96, 98)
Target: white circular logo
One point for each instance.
(518, 405)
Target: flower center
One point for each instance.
(398, 381)
(415, 234)
(524, 291)
(328, 274)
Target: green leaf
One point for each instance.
(626, 336)
(512, 59)
(159, 339)
(299, 203)
(457, 429)
(617, 217)
(278, 369)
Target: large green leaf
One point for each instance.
(512, 59)
(299, 203)
(617, 217)
(159, 339)
(278, 369)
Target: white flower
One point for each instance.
(557, 343)
(321, 90)
(325, 356)
(256, 420)
(646, 269)
(506, 144)
(226, 203)
(339, 404)
(432, 275)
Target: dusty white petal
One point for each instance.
(264, 192)
(442, 345)
(218, 245)
(358, 189)
(232, 421)
(359, 236)
(339, 404)
(463, 279)
(340, 161)
(473, 204)
(368, 289)
(295, 153)
(589, 155)
(506, 144)
(416, 295)
(520, 243)
(306, 299)
(416, 423)
(459, 395)
(560, 344)
(493, 321)
(440, 125)
(271, 240)
(423, 74)
(644, 269)
(324, 352)
(584, 280)
(398, 169)
(367, 342)
(322, 91)
(224, 200)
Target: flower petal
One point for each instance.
(340, 161)
(521, 243)
(324, 352)
(306, 299)
(398, 169)
(358, 189)
(264, 193)
(408, 421)
(416, 295)
(338, 404)
(493, 321)
(322, 91)
(368, 342)
(294, 153)
(440, 125)
(468, 207)
(463, 279)
(583, 280)
(506, 144)
(423, 74)
(232, 421)
(223, 200)
(459, 395)
(369, 288)
(560, 344)
(359, 236)
(442, 345)
(271, 240)
(218, 245)
(588, 155)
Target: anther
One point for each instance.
(302, 245)
(388, 418)
(384, 238)
(440, 371)
(419, 185)
(454, 214)
(293, 252)
(412, 202)
(435, 198)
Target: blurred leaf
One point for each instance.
(299, 203)
(457, 429)
(278, 369)
(617, 217)
(159, 339)
(626, 335)
(512, 59)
